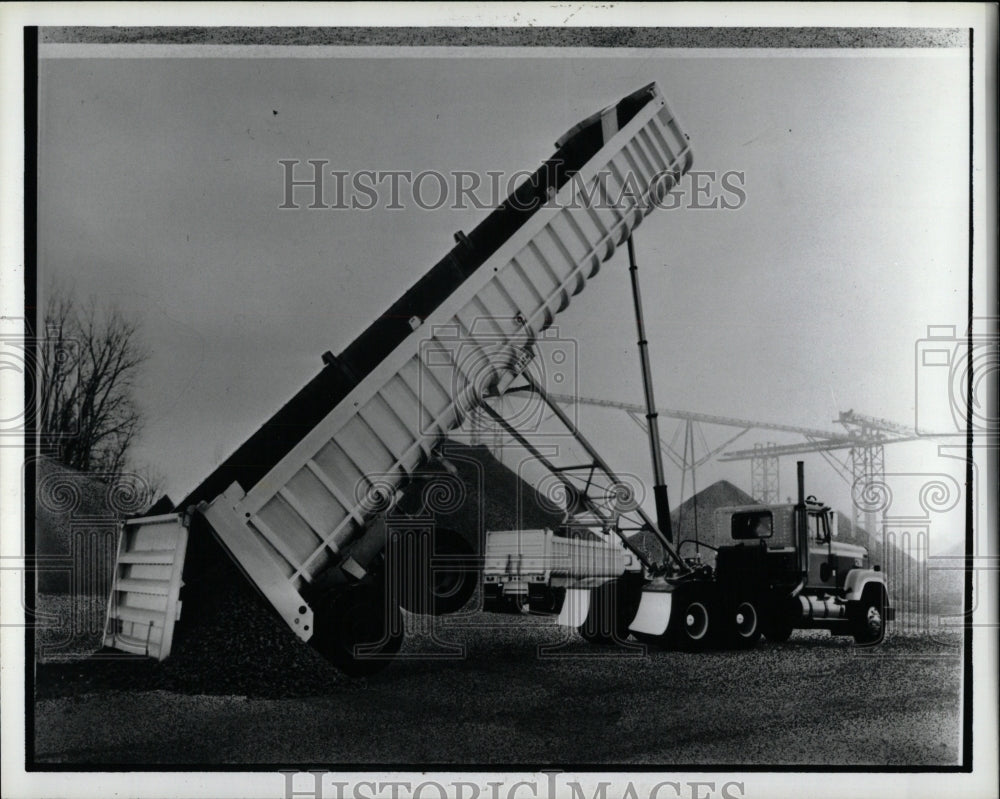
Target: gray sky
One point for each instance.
(160, 184)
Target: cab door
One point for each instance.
(820, 573)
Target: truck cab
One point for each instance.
(791, 578)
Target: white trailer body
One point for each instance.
(517, 560)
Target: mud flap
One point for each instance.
(575, 607)
(653, 616)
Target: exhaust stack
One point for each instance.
(802, 524)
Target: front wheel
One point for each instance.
(869, 623)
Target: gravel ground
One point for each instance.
(816, 700)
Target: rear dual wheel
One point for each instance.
(358, 629)
(695, 623)
(699, 620)
(744, 623)
(436, 571)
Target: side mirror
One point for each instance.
(833, 524)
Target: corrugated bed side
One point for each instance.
(323, 493)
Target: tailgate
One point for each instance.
(144, 602)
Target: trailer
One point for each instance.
(530, 570)
(301, 507)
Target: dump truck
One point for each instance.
(311, 507)
(304, 506)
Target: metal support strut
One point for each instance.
(673, 560)
(653, 428)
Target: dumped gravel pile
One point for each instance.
(229, 641)
(68, 627)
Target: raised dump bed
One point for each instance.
(294, 505)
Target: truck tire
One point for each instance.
(357, 629)
(436, 579)
(744, 623)
(694, 622)
(869, 620)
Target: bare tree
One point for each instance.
(89, 361)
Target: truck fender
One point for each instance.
(576, 605)
(653, 615)
(858, 579)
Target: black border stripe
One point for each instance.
(30, 328)
(542, 36)
(969, 465)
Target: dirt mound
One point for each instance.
(694, 519)
(492, 496)
(76, 517)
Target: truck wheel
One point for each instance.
(439, 580)
(358, 630)
(694, 624)
(744, 623)
(869, 623)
